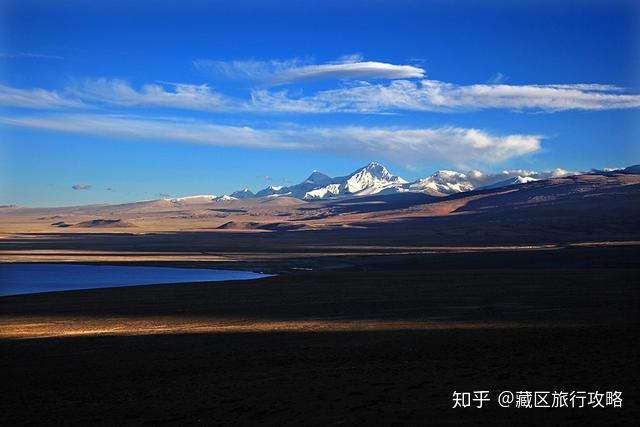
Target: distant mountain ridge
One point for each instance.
(374, 178)
(444, 182)
(315, 180)
(511, 181)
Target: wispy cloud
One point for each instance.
(433, 95)
(81, 186)
(359, 97)
(163, 94)
(459, 146)
(28, 55)
(554, 97)
(167, 129)
(498, 78)
(37, 98)
(295, 70)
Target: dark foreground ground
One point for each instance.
(331, 378)
(385, 345)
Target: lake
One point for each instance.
(16, 279)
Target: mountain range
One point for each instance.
(601, 205)
(374, 178)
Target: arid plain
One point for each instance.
(381, 307)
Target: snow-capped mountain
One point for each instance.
(371, 179)
(224, 198)
(315, 180)
(511, 181)
(243, 194)
(376, 179)
(634, 169)
(202, 198)
(272, 189)
(236, 195)
(445, 182)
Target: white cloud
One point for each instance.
(480, 179)
(168, 129)
(295, 70)
(433, 95)
(359, 97)
(352, 70)
(247, 69)
(92, 93)
(458, 146)
(36, 98)
(164, 94)
(537, 97)
(363, 98)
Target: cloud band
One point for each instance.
(459, 146)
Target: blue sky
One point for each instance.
(133, 100)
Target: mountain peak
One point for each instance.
(318, 178)
(510, 181)
(373, 178)
(243, 194)
(445, 182)
(376, 169)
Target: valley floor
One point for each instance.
(384, 340)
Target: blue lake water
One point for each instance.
(16, 279)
